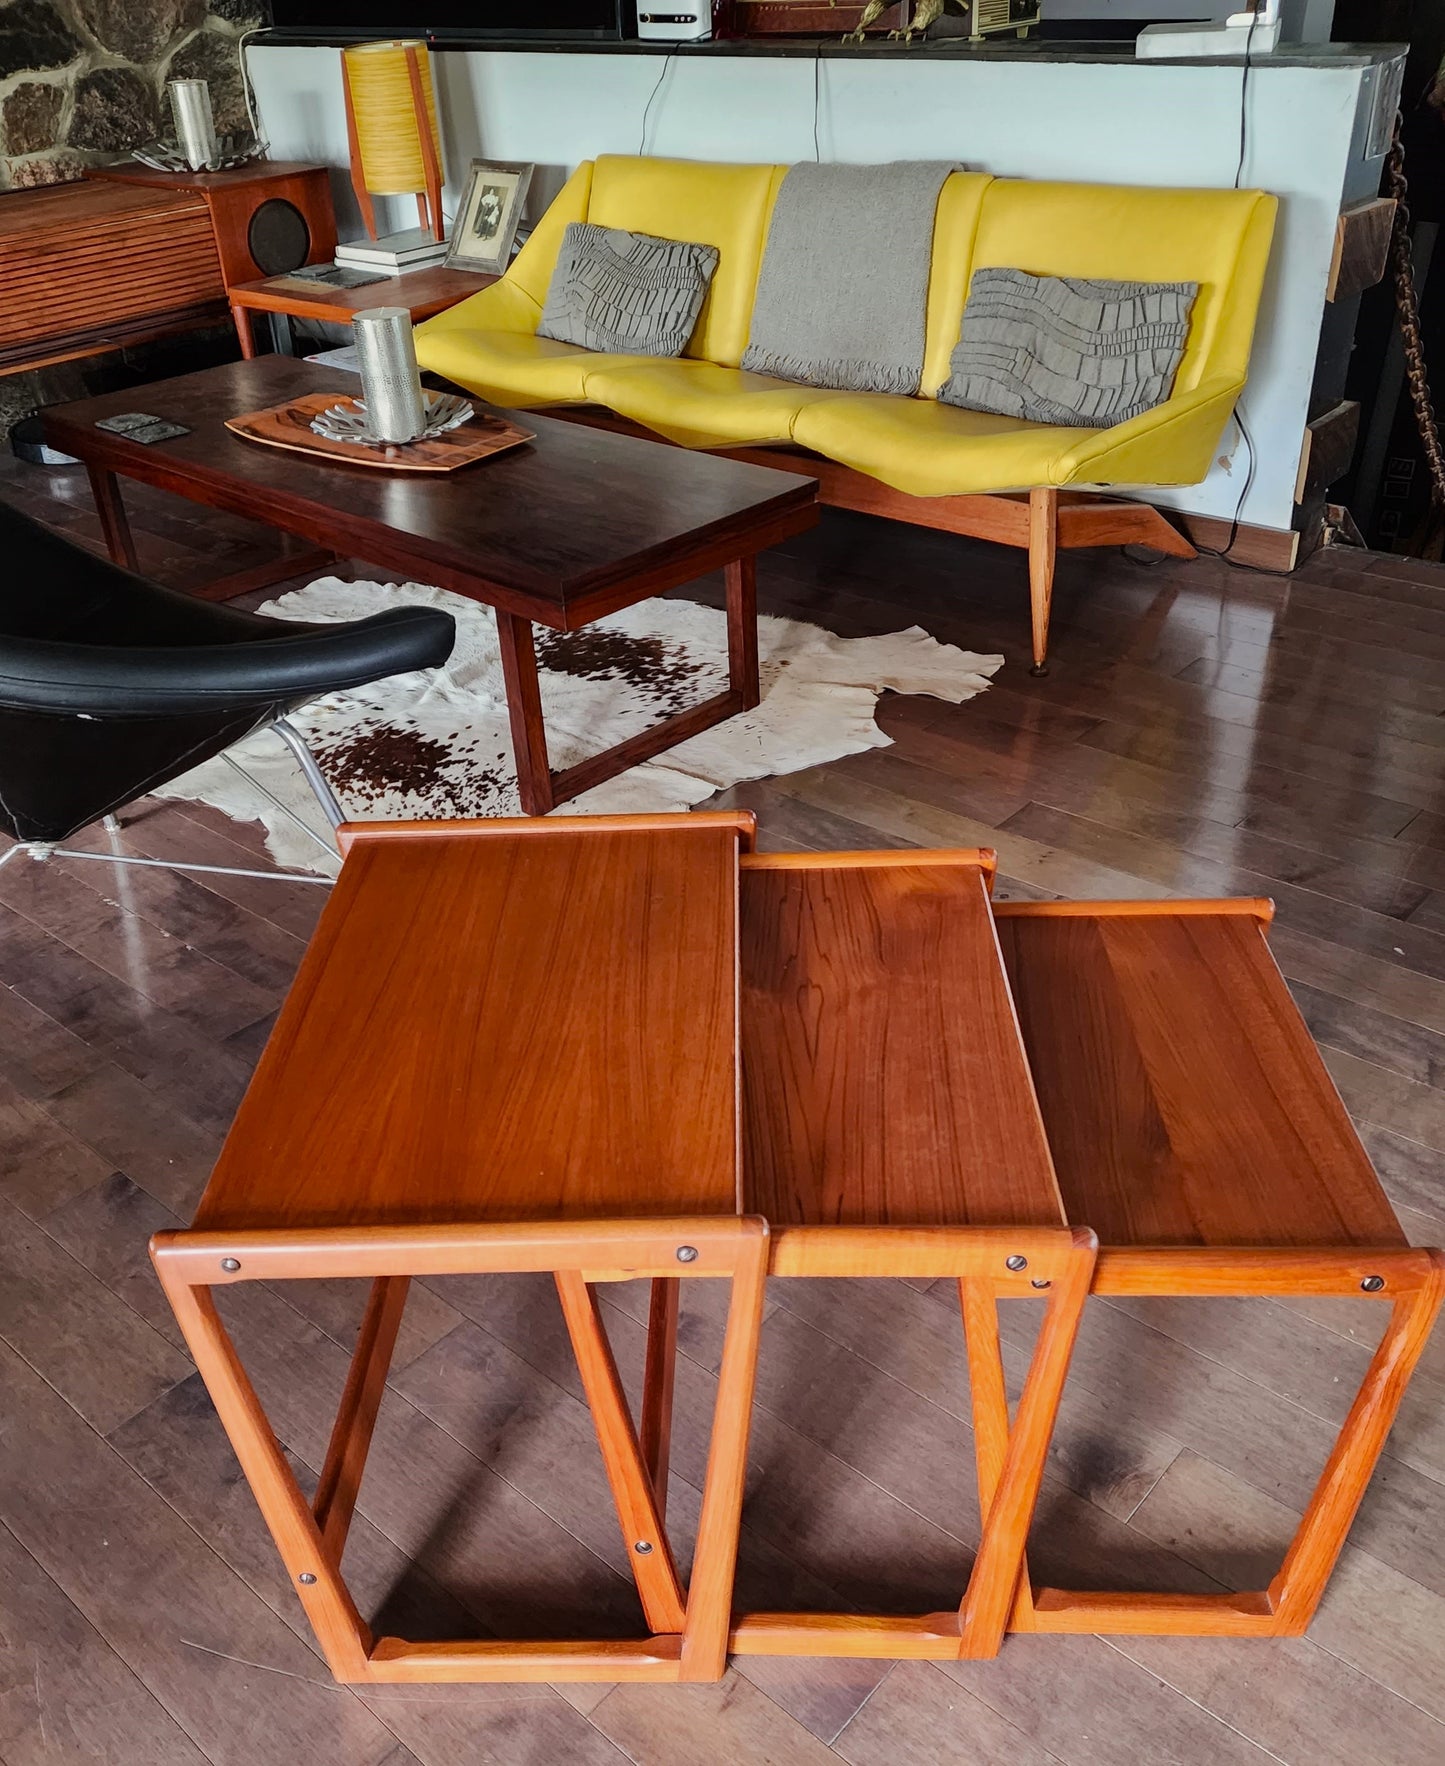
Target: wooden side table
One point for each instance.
(891, 1129)
(511, 1046)
(422, 292)
(1194, 1126)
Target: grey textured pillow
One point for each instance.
(626, 292)
(1064, 349)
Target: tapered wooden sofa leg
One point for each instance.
(1043, 549)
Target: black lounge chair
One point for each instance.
(111, 685)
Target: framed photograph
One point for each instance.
(487, 220)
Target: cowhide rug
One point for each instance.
(437, 744)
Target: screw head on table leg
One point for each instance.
(1016, 1262)
(306, 1577)
(230, 1264)
(687, 1253)
(643, 1548)
(1373, 1283)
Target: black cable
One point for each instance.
(1223, 553)
(1244, 96)
(647, 112)
(1244, 490)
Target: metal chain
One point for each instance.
(1407, 307)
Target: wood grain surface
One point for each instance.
(1184, 1099)
(884, 1079)
(497, 1026)
(1204, 729)
(575, 525)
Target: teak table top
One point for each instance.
(572, 526)
(1184, 1099)
(421, 292)
(500, 1023)
(884, 1079)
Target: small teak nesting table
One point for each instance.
(620, 1047)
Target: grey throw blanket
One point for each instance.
(843, 292)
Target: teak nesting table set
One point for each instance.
(612, 1048)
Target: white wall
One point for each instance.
(1143, 124)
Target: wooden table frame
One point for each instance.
(326, 535)
(689, 1635)
(989, 1264)
(1411, 1281)
(542, 789)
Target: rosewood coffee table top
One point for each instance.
(498, 1021)
(575, 525)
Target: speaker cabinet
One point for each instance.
(268, 218)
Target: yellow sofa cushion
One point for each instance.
(934, 450)
(728, 206)
(1131, 234)
(513, 367)
(702, 405)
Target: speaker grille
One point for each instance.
(278, 237)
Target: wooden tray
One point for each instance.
(289, 426)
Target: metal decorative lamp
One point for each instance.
(391, 128)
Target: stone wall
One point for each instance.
(83, 81)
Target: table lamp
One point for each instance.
(391, 128)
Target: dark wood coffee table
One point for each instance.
(559, 533)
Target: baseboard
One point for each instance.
(1267, 548)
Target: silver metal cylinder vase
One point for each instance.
(390, 378)
(195, 125)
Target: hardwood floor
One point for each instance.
(1204, 730)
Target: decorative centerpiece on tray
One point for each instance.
(395, 423)
(348, 420)
(293, 425)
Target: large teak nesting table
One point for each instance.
(633, 1047)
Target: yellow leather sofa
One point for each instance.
(911, 458)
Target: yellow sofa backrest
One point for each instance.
(1217, 238)
(723, 205)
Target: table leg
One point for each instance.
(105, 488)
(245, 334)
(655, 1428)
(524, 708)
(741, 577)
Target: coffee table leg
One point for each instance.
(524, 708)
(741, 577)
(105, 488)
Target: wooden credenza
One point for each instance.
(130, 254)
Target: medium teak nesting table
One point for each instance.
(611, 1048)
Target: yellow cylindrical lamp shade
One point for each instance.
(388, 136)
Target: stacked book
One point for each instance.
(393, 254)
